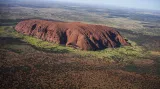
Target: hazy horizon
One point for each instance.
(137, 4)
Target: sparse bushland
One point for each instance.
(27, 63)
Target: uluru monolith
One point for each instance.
(74, 34)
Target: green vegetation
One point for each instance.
(119, 54)
(126, 53)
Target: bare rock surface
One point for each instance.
(74, 34)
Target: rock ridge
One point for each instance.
(75, 34)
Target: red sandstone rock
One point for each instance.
(74, 34)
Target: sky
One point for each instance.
(141, 4)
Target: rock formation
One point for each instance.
(74, 34)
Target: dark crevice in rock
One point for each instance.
(33, 27)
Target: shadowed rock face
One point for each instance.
(74, 34)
